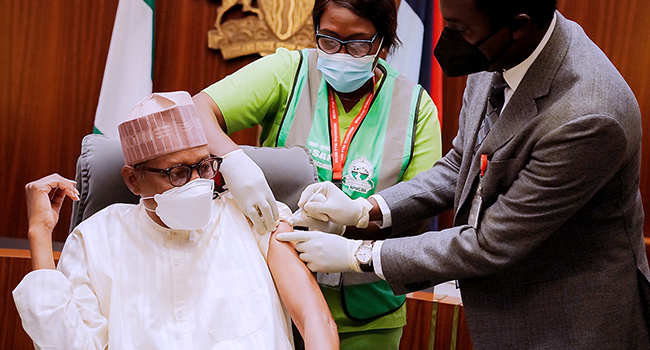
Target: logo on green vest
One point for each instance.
(359, 175)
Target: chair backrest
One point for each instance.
(99, 179)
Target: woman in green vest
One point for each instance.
(366, 126)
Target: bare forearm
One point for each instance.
(214, 125)
(302, 296)
(375, 212)
(44, 199)
(372, 232)
(40, 247)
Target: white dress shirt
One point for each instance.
(126, 282)
(513, 77)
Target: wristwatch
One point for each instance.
(364, 256)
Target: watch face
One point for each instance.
(364, 254)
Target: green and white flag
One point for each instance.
(129, 66)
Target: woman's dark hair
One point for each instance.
(500, 11)
(381, 13)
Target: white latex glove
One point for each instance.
(248, 186)
(324, 252)
(336, 205)
(300, 218)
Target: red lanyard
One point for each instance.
(340, 151)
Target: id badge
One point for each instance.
(329, 279)
(475, 210)
(477, 203)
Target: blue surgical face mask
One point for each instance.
(345, 73)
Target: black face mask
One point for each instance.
(457, 57)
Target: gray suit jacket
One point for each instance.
(558, 260)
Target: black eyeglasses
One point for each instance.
(181, 174)
(356, 48)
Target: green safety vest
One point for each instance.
(378, 155)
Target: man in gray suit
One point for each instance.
(547, 245)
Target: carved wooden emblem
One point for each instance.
(267, 26)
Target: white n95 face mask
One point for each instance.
(345, 73)
(188, 207)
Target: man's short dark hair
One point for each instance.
(382, 14)
(500, 11)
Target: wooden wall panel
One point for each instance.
(53, 55)
(51, 66)
(436, 322)
(182, 60)
(14, 265)
(620, 28)
(12, 334)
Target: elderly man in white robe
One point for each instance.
(177, 271)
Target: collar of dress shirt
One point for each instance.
(514, 75)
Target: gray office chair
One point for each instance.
(99, 180)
